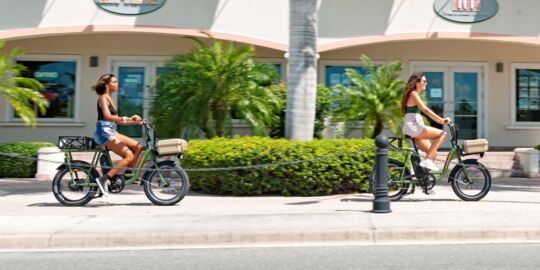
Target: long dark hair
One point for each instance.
(410, 86)
(101, 85)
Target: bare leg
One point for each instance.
(438, 136)
(424, 145)
(121, 149)
(133, 145)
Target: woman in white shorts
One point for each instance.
(428, 139)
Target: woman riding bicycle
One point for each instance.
(106, 133)
(413, 124)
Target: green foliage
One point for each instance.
(537, 147)
(20, 167)
(375, 99)
(204, 89)
(22, 93)
(344, 174)
(322, 110)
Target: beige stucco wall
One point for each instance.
(497, 90)
(268, 20)
(408, 30)
(104, 46)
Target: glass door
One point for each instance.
(134, 91)
(465, 85)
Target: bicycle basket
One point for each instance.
(475, 146)
(76, 143)
(171, 147)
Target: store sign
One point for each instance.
(130, 7)
(466, 11)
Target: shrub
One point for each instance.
(322, 110)
(344, 174)
(537, 147)
(20, 167)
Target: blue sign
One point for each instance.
(130, 7)
(466, 11)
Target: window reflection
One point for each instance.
(58, 78)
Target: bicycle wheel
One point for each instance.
(71, 189)
(172, 189)
(398, 185)
(471, 180)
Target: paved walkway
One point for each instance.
(30, 217)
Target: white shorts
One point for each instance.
(413, 125)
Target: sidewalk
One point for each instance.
(32, 218)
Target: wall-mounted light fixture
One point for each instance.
(93, 61)
(499, 67)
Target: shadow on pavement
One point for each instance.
(90, 205)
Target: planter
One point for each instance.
(49, 158)
(528, 160)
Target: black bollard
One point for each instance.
(381, 202)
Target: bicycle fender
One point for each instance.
(74, 162)
(466, 161)
(164, 162)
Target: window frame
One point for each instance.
(77, 91)
(342, 63)
(272, 61)
(514, 124)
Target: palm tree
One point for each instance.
(22, 93)
(302, 70)
(205, 89)
(375, 98)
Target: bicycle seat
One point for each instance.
(411, 140)
(101, 147)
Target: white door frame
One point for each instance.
(150, 64)
(449, 68)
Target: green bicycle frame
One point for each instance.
(453, 153)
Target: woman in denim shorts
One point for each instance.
(106, 133)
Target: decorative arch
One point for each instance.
(24, 33)
(365, 40)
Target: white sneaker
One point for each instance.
(103, 185)
(428, 164)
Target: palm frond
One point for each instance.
(373, 98)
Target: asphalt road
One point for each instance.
(418, 257)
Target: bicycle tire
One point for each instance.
(173, 174)
(61, 185)
(396, 188)
(478, 172)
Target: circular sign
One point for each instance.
(130, 7)
(466, 11)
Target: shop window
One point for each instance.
(336, 74)
(527, 95)
(59, 80)
(277, 67)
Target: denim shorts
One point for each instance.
(104, 131)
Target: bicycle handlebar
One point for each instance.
(148, 130)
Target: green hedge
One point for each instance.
(537, 147)
(20, 167)
(343, 174)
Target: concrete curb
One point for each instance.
(363, 236)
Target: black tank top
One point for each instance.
(100, 111)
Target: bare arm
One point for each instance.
(420, 104)
(104, 104)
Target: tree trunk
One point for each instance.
(302, 70)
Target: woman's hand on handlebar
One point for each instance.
(447, 121)
(137, 119)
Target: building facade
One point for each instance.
(481, 57)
